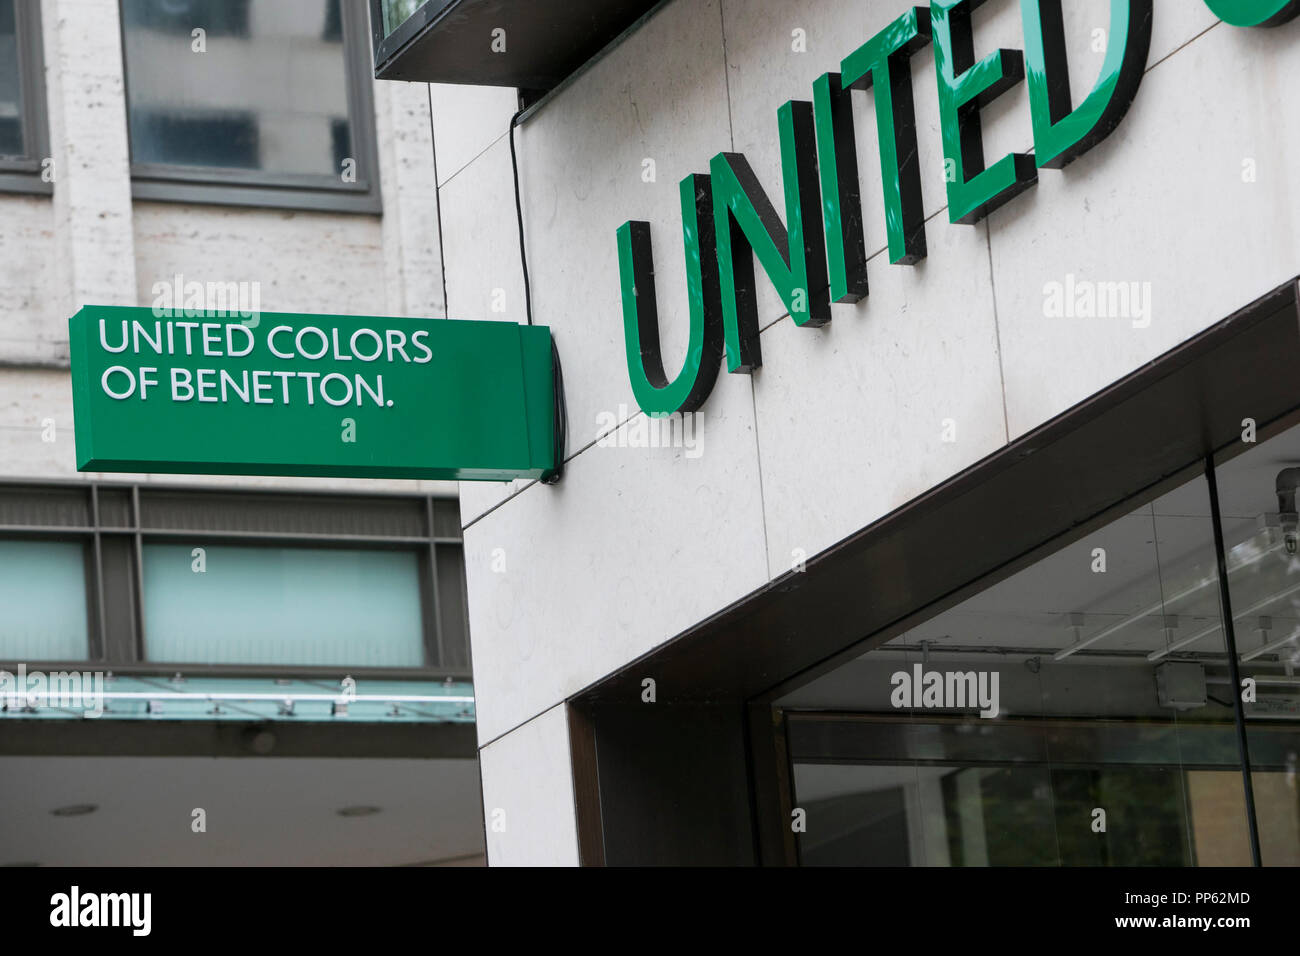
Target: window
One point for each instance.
(43, 600)
(251, 102)
(24, 141)
(294, 605)
(1102, 678)
(142, 579)
(1043, 721)
(397, 12)
(1258, 491)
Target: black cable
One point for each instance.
(437, 189)
(519, 215)
(560, 434)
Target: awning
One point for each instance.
(520, 43)
(88, 695)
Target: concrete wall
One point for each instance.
(90, 243)
(842, 424)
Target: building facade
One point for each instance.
(238, 637)
(930, 485)
(981, 551)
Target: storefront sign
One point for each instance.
(819, 255)
(322, 395)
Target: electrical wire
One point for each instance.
(519, 216)
(560, 433)
(437, 190)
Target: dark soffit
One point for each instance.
(451, 41)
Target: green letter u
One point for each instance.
(645, 366)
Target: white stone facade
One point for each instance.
(1190, 196)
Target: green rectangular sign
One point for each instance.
(317, 395)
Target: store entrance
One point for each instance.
(1113, 737)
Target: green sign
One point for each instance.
(316, 395)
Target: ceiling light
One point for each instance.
(1239, 616)
(1268, 646)
(1249, 561)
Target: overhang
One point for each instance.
(521, 43)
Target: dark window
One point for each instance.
(1078, 712)
(24, 140)
(227, 18)
(11, 94)
(261, 102)
(1261, 528)
(397, 12)
(333, 21)
(194, 140)
(340, 141)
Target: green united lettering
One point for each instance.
(818, 255)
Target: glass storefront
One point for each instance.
(1080, 711)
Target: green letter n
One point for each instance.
(745, 223)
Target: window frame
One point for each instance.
(214, 185)
(22, 174)
(112, 520)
